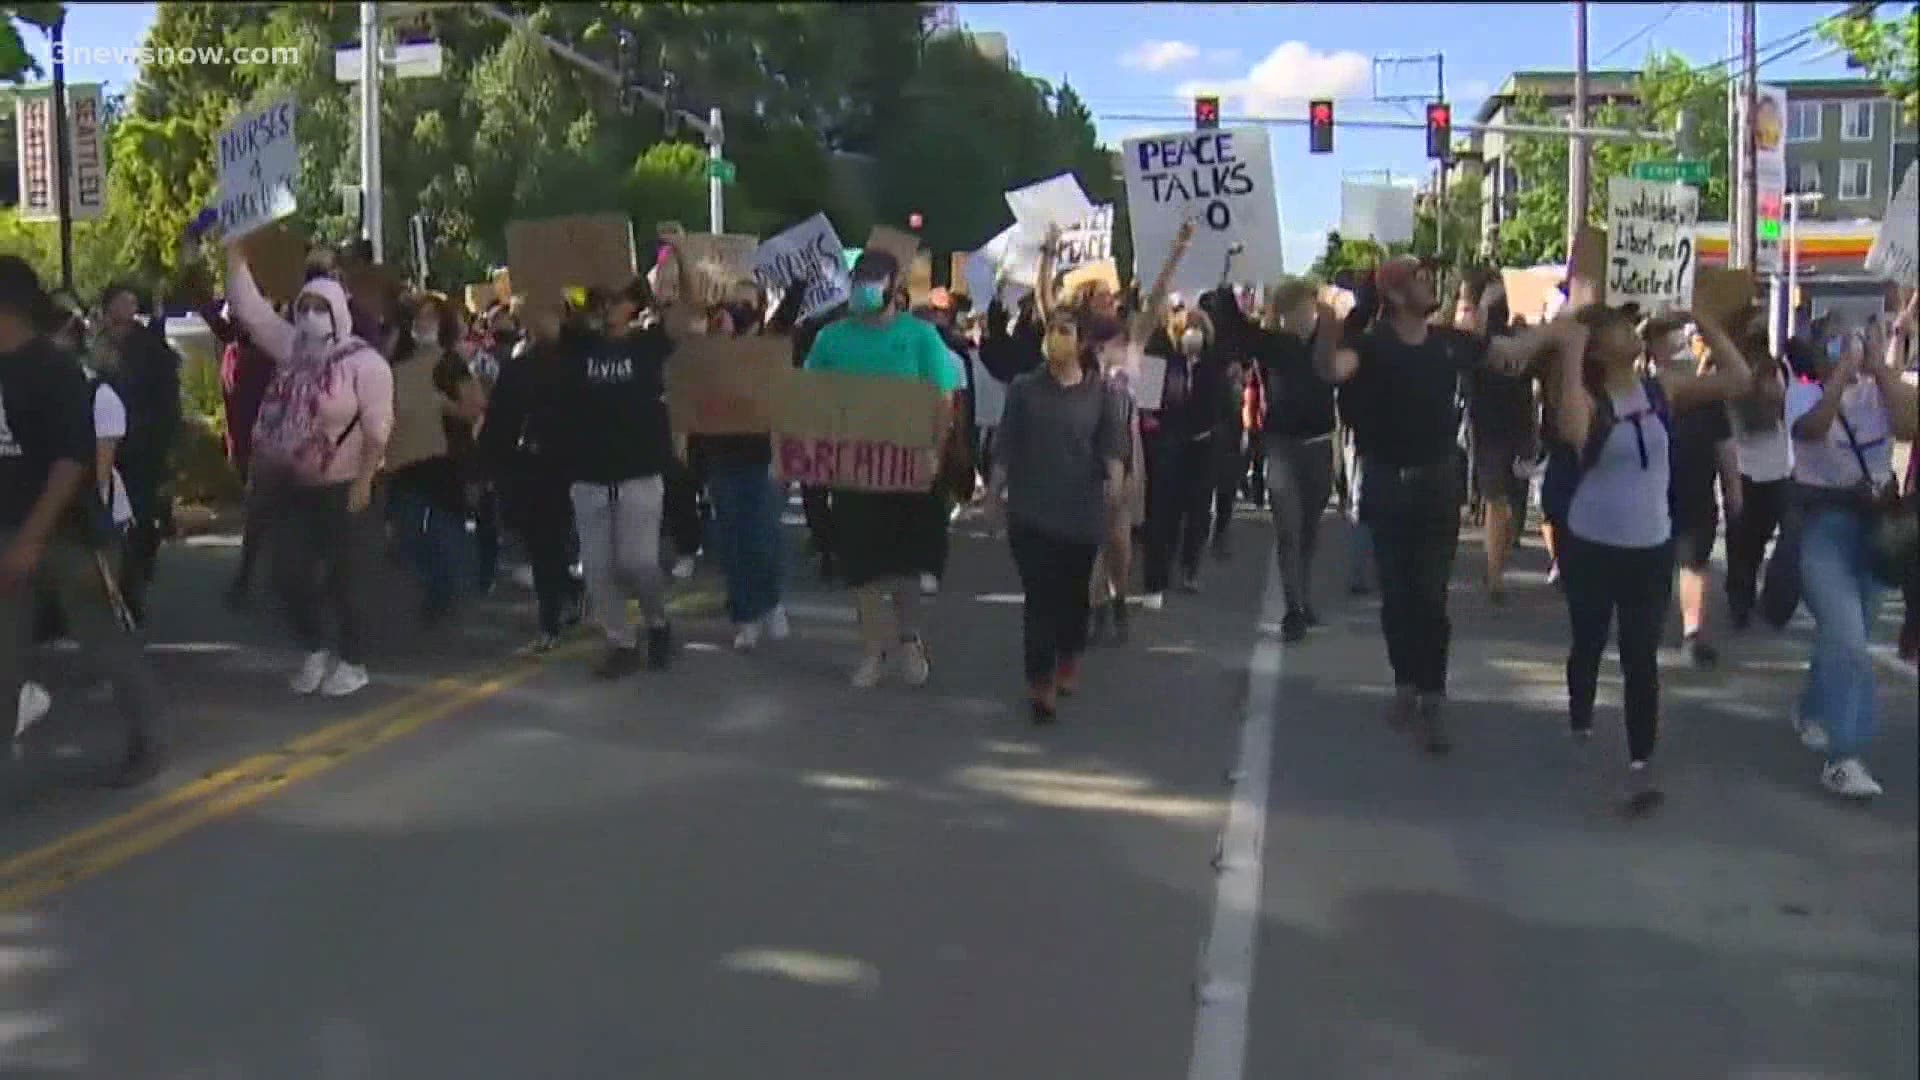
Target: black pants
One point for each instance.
(1747, 538)
(1414, 518)
(1230, 471)
(142, 552)
(1056, 575)
(1179, 502)
(817, 504)
(683, 517)
(314, 553)
(1255, 469)
(1637, 583)
(540, 510)
(486, 538)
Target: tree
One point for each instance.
(1457, 245)
(16, 63)
(1889, 49)
(1343, 254)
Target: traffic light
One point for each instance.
(1439, 130)
(1206, 112)
(1320, 127)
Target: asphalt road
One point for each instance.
(743, 868)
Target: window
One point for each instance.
(1803, 121)
(1856, 176)
(1856, 121)
(1806, 178)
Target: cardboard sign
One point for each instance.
(727, 385)
(479, 296)
(920, 278)
(1587, 268)
(1650, 249)
(1057, 200)
(548, 257)
(957, 282)
(1220, 179)
(277, 256)
(856, 432)
(1087, 241)
(1896, 246)
(258, 162)
(807, 256)
(903, 246)
(1720, 294)
(715, 264)
(1528, 293)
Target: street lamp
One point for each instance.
(1794, 202)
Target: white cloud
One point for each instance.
(1160, 55)
(1223, 56)
(1292, 73)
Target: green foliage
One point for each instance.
(16, 64)
(1343, 254)
(1889, 49)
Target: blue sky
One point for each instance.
(1268, 59)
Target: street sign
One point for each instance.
(1678, 172)
(409, 60)
(722, 170)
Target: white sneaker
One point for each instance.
(312, 673)
(1849, 779)
(1153, 601)
(35, 704)
(683, 568)
(929, 585)
(778, 627)
(915, 666)
(1812, 735)
(746, 636)
(871, 670)
(346, 679)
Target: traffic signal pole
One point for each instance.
(1664, 138)
(1577, 151)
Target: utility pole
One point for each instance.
(1440, 189)
(716, 195)
(1577, 149)
(1748, 192)
(62, 153)
(370, 190)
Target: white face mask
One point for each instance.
(317, 324)
(1191, 342)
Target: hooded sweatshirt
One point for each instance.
(330, 401)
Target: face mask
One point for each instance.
(317, 324)
(1191, 341)
(868, 297)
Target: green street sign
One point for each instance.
(1676, 172)
(722, 170)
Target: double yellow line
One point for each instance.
(34, 875)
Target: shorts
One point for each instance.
(1493, 474)
(1693, 542)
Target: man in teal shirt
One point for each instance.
(884, 540)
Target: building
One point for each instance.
(1499, 184)
(1848, 142)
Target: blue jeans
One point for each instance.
(435, 543)
(1839, 589)
(746, 511)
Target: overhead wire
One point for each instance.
(1672, 10)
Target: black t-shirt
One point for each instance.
(1403, 402)
(1501, 409)
(614, 406)
(1299, 401)
(1694, 461)
(46, 415)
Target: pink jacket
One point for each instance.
(329, 405)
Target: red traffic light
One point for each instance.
(1439, 130)
(1320, 127)
(1440, 115)
(1206, 112)
(914, 220)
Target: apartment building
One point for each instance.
(1846, 141)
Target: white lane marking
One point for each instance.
(1224, 988)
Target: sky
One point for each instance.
(1268, 60)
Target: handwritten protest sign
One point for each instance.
(856, 432)
(1896, 247)
(809, 257)
(548, 257)
(714, 264)
(1089, 240)
(1721, 293)
(1650, 250)
(1221, 179)
(1057, 200)
(259, 165)
(727, 385)
(903, 246)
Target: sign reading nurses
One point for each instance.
(1650, 244)
(259, 166)
(1221, 179)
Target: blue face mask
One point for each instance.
(868, 297)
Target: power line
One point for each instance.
(1672, 10)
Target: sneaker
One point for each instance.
(35, 704)
(1040, 699)
(872, 669)
(929, 585)
(1066, 676)
(541, 645)
(1293, 627)
(1704, 656)
(1583, 735)
(1153, 601)
(746, 637)
(1812, 735)
(1643, 794)
(1190, 583)
(683, 568)
(313, 672)
(144, 760)
(343, 680)
(1849, 779)
(620, 661)
(1553, 573)
(915, 665)
(659, 647)
(1433, 727)
(1740, 619)
(778, 626)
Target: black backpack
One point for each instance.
(1565, 466)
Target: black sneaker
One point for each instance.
(1704, 656)
(145, 758)
(1643, 795)
(1293, 627)
(659, 647)
(1741, 618)
(619, 662)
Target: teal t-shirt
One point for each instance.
(905, 348)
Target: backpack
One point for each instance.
(1565, 466)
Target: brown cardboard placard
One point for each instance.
(957, 273)
(856, 432)
(903, 246)
(479, 296)
(715, 264)
(588, 250)
(277, 255)
(1721, 293)
(920, 278)
(1528, 292)
(1587, 268)
(727, 385)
